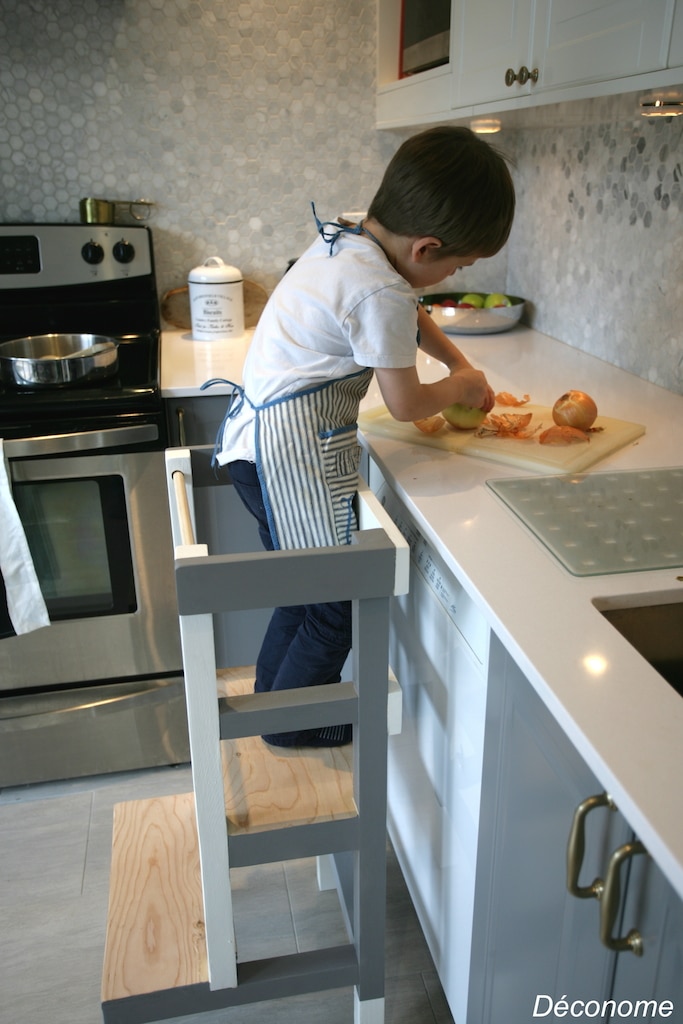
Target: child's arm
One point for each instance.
(433, 342)
(407, 398)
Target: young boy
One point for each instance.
(345, 310)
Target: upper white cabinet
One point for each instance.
(490, 36)
(559, 42)
(509, 54)
(416, 99)
(598, 40)
(676, 48)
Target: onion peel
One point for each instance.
(563, 435)
(508, 424)
(430, 424)
(505, 398)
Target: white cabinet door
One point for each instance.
(597, 40)
(676, 49)
(570, 42)
(489, 36)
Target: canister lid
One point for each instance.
(215, 271)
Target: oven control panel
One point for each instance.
(54, 255)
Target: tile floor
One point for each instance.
(54, 873)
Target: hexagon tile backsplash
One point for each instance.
(598, 237)
(231, 116)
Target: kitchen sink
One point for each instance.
(654, 626)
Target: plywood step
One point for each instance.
(155, 928)
(155, 925)
(269, 787)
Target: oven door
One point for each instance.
(96, 519)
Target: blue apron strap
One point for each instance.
(330, 230)
(235, 403)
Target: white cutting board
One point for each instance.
(528, 454)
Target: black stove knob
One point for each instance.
(92, 252)
(124, 252)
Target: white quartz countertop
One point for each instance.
(186, 364)
(623, 718)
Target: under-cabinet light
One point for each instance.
(661, 108)
(485, 126)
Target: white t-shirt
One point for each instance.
(330, 316)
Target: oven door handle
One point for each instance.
(86, 440)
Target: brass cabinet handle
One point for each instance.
(611, 898)
(182, 441)
(576, 847)
(523, 76)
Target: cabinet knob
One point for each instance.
(523, 76)
(610, 905)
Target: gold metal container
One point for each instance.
(97, 211)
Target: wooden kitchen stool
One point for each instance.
(170, 946)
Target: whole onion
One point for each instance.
(575, 409)
(463, 417)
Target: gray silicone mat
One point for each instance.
(601, 523)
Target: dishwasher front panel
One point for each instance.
(439, 653)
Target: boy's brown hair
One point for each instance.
(448, 183)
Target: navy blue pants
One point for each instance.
(304, 645)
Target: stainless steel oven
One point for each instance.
(100, 689)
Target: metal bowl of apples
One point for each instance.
(474, 312)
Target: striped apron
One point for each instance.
(307, 457)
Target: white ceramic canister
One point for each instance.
(216, 301)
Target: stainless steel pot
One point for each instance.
(46, 360)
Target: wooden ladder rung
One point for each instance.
(285, 710)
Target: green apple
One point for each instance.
(496, 299)
(472, 299)
(463, 417)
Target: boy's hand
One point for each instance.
(407, 398)
(475, 390)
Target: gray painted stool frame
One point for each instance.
(367, 572)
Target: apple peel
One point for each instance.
(563, 435)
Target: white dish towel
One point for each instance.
(25, 602)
